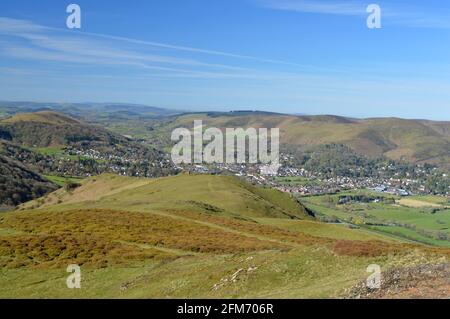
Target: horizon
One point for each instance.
(287, 57)
(231, 110)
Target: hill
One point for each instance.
(50, 129)
(99, 111)
(415, 141)
(61, 147)
(19, 184)
(53, 133)
(187, 236)
(218, 195)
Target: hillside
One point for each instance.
(57, 144)
(19, 184)
(187, 236)
(98, 111)
(45, 129)
(415, 141)
(217, 195)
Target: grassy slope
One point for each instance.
(222, 195)
(19, 183)
(143, 238)
(413, 140)
(62, 181)
(47, 117)
(48, 131)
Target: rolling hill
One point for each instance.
(103, 111)
(51, 129)
(415, 141)
(188, 236)
(217, 195)
(54, 144)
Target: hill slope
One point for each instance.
(174, 238)
(217, 195)
(411, 140)
(99, 111)
(19, 184)
(44, 129)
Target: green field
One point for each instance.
(49, 151)
(62, 180)
(425, 224)
(297, 181)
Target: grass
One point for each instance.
(420, 223)
(301, 273)
(61, 180)
(394, 138)
(414, 203)
(46, 117)
(183, 237)
(297, 181)
(324, 230)
(409, 234)
(437, 200)
(222, 195)
(48, 151)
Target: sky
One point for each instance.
(289, 56)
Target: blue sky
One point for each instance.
(293, 56)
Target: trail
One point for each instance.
(226, 229)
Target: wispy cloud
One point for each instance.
(351, 8)
(87, 47)
(393, 13)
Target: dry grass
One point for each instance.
(414, 203)
(56, 250)
(380, 248)
(257, 229)
(97, 237)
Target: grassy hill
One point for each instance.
(50, 129)
(188, 236)
(60, 146)
(218, 195)
(99, 111)
(411, 140)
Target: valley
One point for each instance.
(80, 191)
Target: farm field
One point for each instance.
(62, 181)
(417, 218)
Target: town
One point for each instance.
(417, 180)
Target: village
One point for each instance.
(300, 181)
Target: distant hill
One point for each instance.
(44, 129)
(415, 141)
(100, 111)
(48, 129)
(19, 184)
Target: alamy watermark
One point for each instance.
(236, 146)
(73, 281)
(374, 280)
(74, 19)
(374, 19)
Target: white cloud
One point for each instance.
(15, 27)
(393, 13)
(351, 8)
